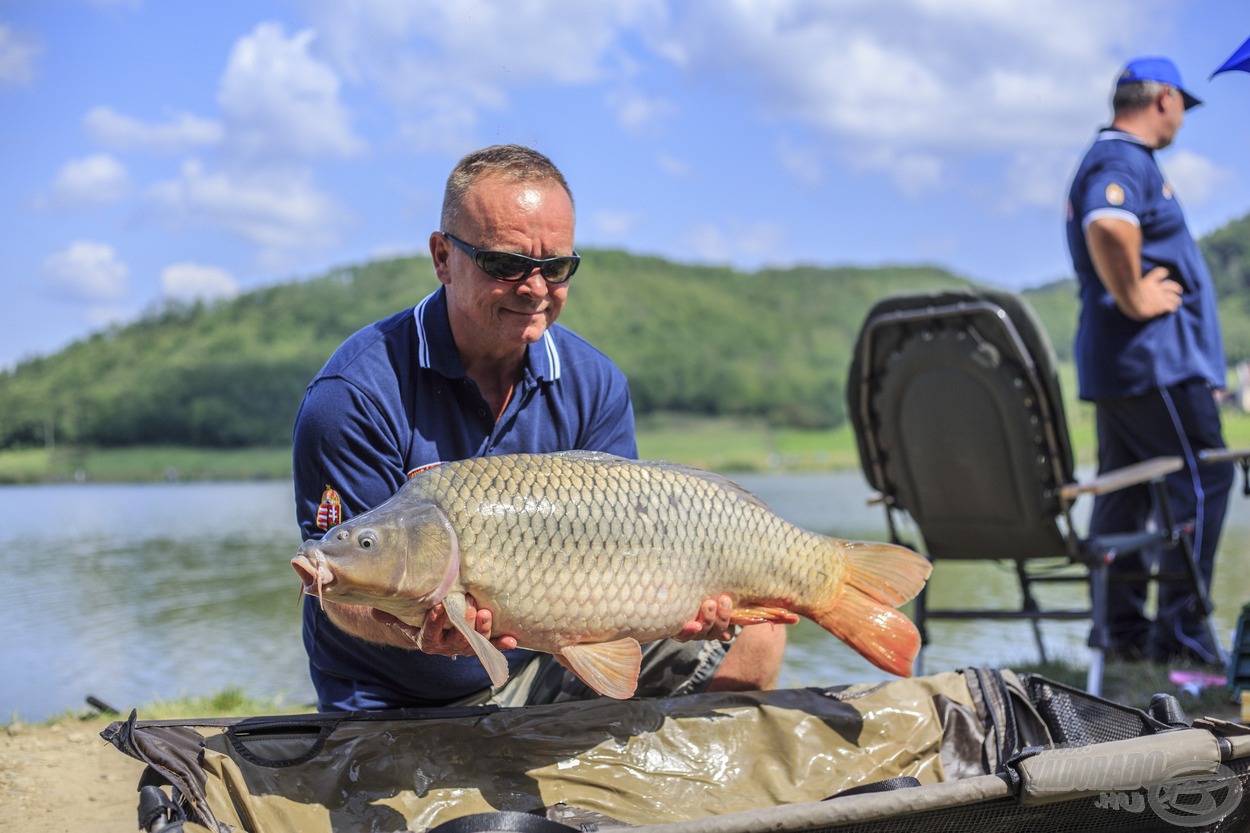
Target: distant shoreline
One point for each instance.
(721, 445)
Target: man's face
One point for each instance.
(492, 318)
(1172, 106)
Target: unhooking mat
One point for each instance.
(972, 750)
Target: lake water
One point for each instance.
(138, 593)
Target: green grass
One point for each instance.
(723, 445)
(231, 701)
(144, 464)
(734, 445)
(1135, 683)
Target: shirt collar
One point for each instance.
(436, 349)
(1112, 133)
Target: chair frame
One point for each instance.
(1092, 556)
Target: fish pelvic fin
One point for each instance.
(879, 578)
(492, 658)
(758, 615)
(878, 632)
(609, 668)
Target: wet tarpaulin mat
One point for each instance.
(975, 749)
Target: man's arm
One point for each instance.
(1115, 249)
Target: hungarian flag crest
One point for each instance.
(330, 512)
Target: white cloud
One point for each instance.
(1195, 177)
(196, 281)
(93, 180)
(277, 209)
(803, 163)
(18, 51)
(99, 316)
(638, 112)
(1039, 179)
(445, 63)
(671, 165)
(914, 173)
(86, 271)
(280, 101)
(615, 224)
(960, 78)
(747, 244)
(181, 132)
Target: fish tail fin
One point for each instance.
(879, 578)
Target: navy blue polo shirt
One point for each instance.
(1115, 355)
(395, 397)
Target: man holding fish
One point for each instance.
(479, 368)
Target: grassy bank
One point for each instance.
(1132, 684)
(723, 445)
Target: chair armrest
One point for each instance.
(1143, 472)
(1224, 455)
(1240, 456)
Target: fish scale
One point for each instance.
(585, 555)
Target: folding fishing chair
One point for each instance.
(960, 422)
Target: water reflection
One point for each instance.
(135, 593)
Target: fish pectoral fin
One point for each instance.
(610, 668)
(492, 658)
(760, 615)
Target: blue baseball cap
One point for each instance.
(1156, 69)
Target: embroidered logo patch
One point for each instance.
(420, 469)
(1167, 191)
(1115, 194)
(330, 512)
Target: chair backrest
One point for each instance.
(959, 418)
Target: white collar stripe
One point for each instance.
(553, 355)
(423, 343)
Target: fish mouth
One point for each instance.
(315, 575)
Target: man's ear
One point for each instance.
(440, 254)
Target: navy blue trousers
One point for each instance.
(1177, 421)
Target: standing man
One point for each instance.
(1149, 354)
(478, 368)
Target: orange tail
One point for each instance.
(880, 577)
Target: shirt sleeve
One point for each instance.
(1111, 191)
(343, 449)
(611, 428)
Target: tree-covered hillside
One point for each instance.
(773, 344)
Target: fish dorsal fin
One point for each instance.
(610, 668)
(718, 480)
(492, 658)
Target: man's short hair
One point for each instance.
(515, 162)
(1138, 95)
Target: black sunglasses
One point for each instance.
(514, 268)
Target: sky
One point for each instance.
(168, 150)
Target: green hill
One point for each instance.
(771, 345)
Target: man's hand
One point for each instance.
(711, 622)
(439, 636)
(1159, 293)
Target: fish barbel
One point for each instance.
(586, 555)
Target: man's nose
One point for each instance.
(534, 283)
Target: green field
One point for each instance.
(722, 445)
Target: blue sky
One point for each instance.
(171, 149)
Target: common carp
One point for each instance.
(585, 555)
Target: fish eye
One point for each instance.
(366, 539)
